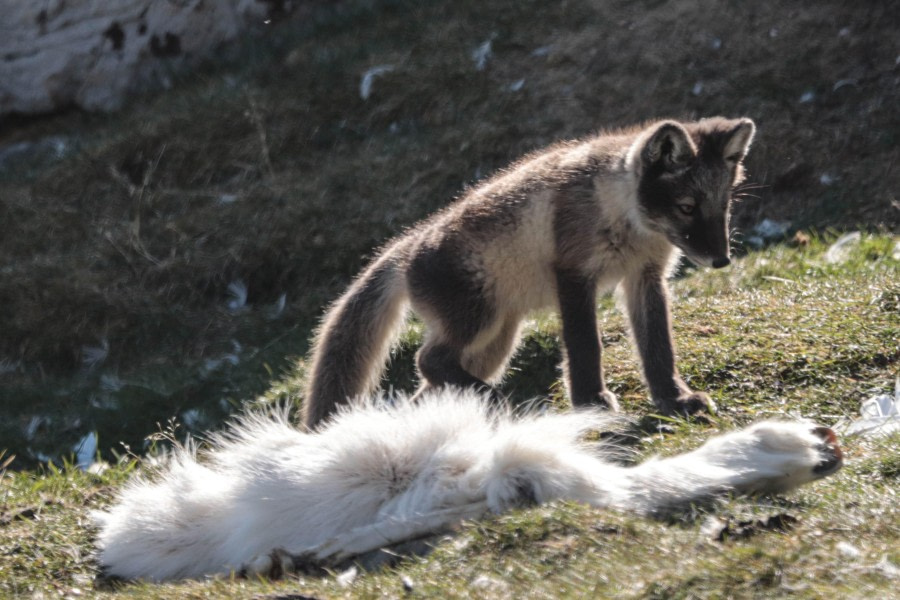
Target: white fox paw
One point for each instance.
(779, 456)
(271, 565)
(832, 456)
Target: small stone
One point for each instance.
(89, 54)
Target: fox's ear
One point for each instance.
(739, 139)
(669, 146)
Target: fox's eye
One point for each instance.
(686, 208)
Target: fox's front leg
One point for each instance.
(647, 302)
(578, 309)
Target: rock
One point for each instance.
(90, 54)
(721, 530)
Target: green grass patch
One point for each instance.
(781, 334)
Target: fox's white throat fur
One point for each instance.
(266, 495)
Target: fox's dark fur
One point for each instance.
(551, 231)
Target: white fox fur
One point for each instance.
(379, 474)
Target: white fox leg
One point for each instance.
(393, 531)
(360, 540)
(767, 457)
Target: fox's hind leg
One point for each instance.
(357, 542)
(486, 358)
(461, 321)
(478, 364)
(273, 565)
(440, 364)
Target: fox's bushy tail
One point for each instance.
(354, 339)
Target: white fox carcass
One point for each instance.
(268, 497)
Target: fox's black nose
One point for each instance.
(720, 262)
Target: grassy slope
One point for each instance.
(781, 333)
(271, 170)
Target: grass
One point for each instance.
(265, 169)
(782, 333)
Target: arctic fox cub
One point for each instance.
(551, 231)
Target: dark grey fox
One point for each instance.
(551, 231)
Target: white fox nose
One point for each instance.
(722, 261)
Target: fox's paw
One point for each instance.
(813, 447)
(774, 456)
(689, 404)
(271, 565)
(279, 563)
(604, 399)
(608, 400)
(832, 458)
